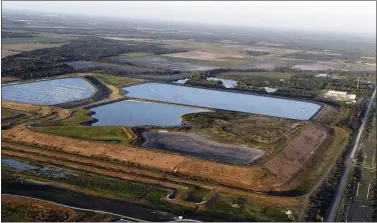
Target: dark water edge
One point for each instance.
(71, 198)
(121, 207)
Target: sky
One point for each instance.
(343, 16)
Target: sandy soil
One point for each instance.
(191, 144)
(200, 55)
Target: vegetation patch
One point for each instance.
(71, 127)
(118, 81)
(253, 210)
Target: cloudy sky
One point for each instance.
(342, 16)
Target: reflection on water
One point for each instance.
(48, 92)
(256, 104)
(137, 113)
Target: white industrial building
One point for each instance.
(341, 96)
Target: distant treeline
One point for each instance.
(50, 61)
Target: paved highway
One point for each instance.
(343, 182)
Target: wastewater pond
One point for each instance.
(48, 92)
(138, 113)
(263, 105)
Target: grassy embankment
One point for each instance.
(90, 183)
(70, 127)
(117, 81)
(7, 113)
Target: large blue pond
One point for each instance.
(271, 106)
(137, 113)
(48, 92)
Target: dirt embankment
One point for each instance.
(237, 176)
(297, 152)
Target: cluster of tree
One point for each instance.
(260, 82)
(374, 197)
(7, 34)
(201, 80)
(321, 199)
(50, 61)
(292, 92)
(254, 53)
(114, 71)
(349, 189)
(371, 120)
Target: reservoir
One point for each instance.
(48, 92)
(138, 113)
(262, 105)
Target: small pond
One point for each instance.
(138, 113)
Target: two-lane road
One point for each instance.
(343, 182)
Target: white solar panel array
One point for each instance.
(48, 92)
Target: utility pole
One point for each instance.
(358, 81)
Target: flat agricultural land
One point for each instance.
(200, 55)
(157, 62)
(190, 144)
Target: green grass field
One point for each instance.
(71, 127)
(100, 133)
(118, 81)
(252, 209)
(239, 75)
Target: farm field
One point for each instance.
(157, 62)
